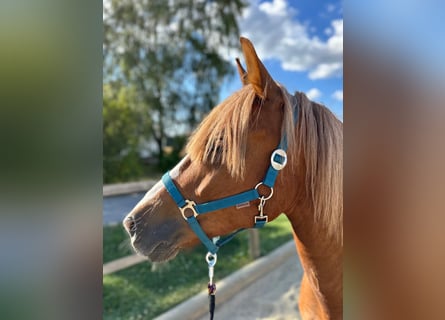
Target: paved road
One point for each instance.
(273, 297)
(115, 208)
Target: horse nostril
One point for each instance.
(130, 225)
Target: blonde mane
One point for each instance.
(317, 137)
(221, 138)
(320, 142)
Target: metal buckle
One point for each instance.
(261, 218)
(276, 165)
(189, 204)
(211, 259)
(269, 196)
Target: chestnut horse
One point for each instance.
(230, 153)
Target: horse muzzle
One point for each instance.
(156, 242)
(129, 224)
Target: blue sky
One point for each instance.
(301, 44)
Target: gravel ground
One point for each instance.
(274, 297)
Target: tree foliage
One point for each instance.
(169, 51)
(122, 127)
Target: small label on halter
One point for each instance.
(243, 205)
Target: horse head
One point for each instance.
(228, 154)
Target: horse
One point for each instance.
(229, 153)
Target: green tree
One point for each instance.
(123, 128)
(170, 52)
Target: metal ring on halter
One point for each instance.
(211, 259)
(276, 165)
(188, 205)
(269, 196)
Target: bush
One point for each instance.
(128, 168)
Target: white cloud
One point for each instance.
(326, 70)
(313, 94)
(277, 34)
(275, 8)
(338, 95)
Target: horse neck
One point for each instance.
(321, 258)
(320, 255)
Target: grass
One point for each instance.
(116, 243)
(140, 293)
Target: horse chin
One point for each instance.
(161, 252)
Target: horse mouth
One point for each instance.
(161, 252)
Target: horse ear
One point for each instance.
(242, 72)
(257, 75)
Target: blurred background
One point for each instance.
(52, 64)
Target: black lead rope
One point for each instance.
(211, 261)
(212, 291)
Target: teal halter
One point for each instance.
(278, 161)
